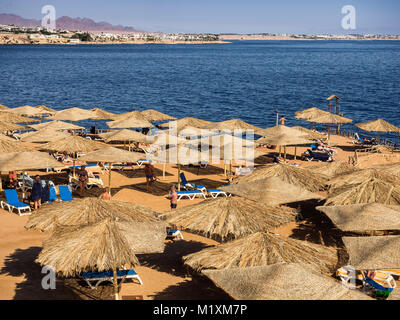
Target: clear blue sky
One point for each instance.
(219, 16)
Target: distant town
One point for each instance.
(11, 34)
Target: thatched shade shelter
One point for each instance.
(8, 145)
(100, 114)
(165, 139)
(373, 190)
(271, 191)
(3, 107)
(262, 249)
(44, 135)
(330, 119)
(56, 125)
(282, 281)
(332, 169)
(48, 110)
(27, 161)
(73, 144)
(373, 252)
(377, 126)
(10, 117)
(282, 130)
(364, 217)
(391, 168)
(233, 124)
(225, 219)
(95, 247)
(310, 113)
(301, 177)
(131, 122)
(310, 134)
(9, 126)
(154, 115)
(111, 155)
(28, 111)
(131, 114)
(185, 122)
(361, 176)
(125, 135)
(73, 114)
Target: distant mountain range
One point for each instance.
(66, 23)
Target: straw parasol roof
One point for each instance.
(377, 126)
(281, 281)
(132, 114)
(233, 124)
(373, 190)
(73, 114)
(310, 134)
(301, 177)
(282, 130)
(95, 247)
(262, 249)
(125, 135)
(44, 108)
(330, 118)
(283, 140)
(310, 113)
(373, 252)
(188, 121)
(111, 154)
(3, 107)
(86, 211)
(364, 217)
(56, 125)
(391, 168)
(331, 169)
(154, 115)
(7, 126)
(28, 111)
(361, 176)
(27, 161)
(223, 140)
(101, 114)
(164, 139)
(73, 144)
(271, 191)
(131, 122)
(10, 117)
(224, 219)
(44, 135)
(179, 154)
(8, 145)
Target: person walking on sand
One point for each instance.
(174, 197)
(36, 194)
(150, 177)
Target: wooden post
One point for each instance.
(115, 283)
(277, 118)
(280, 151)
(329, 131)
(179, 177)
(109, 178)
(1, 183)
(225, 167)
(230, 169)
(295, 153)
(284, 150)
(163, 171)
(73, 169)
(379, 137)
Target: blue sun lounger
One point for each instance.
(190, 194)
(14, 203)
(188, 185)
(93, 279)
(53, 195)
(174, 233)
(65, 193)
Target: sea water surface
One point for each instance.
(243, 79)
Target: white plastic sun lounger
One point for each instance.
(215, 193)
(94, 279)
(190, 194)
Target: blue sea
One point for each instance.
(243, 79)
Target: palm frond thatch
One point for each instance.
(56, 125)
(48, 109)
(101, 114)
(330, 118)
(7, 126)
(373, 252)
(225, 219)
(271, 191)
(301, 177)
(310, 113)
(261, 249)
(373, 190)
(188, 121)
(44, 135)
(132, 122)
(73, 144)
(364, 217)
(310, 134)
(111, 154)
(154, 115)
(10, 117)
(377, 126)
(95, 247)
(233, 124)
(73, 114)
(331, 169)
(282, 281)
(8, 145)
(27, 111)
(391, 168)
(27, 161)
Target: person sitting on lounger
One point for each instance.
(83, 179)
(150, 177)
(37, 191)
(173, 196)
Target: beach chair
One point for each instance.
(92, 182)
(174, 233)
(348, 275)
(190, 194)
(310, 155)
(382, 284)
(65, 193)
(189, 186)
(215, 193)
(94, 279)
(53, 195)
(14, 203)
(140, 162)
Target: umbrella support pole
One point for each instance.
(109, 178)
(1, 183)
(230, 169)
(179, 177)
(73, 169)
(284, 153)
(295, 153)
(163, 171)
(224, 169)
(115, 283)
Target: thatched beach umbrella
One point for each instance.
(111, 155)
(310, 113)
(10, 117)
(3, 107)
(185, 122)
(125, 135)
(100, 114)
(9, 126)
(49, 111)
(377, 126)
(8, 145)
(44, 135)
(282, 281)
(301, 177)
(165, 139)
(364, 217)
(28, 111)
(225, 219)
(271, 191)
(330, 119)
(95, 247)
(310, 134)
(373, 253)
(232, 125)
(154, 115)
(131, 122)
(262, 249)
(332, 169)
(56, 125)
(73, 114)
(131, 114)
(390, 168)
(373, 190)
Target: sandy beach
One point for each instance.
(164, 275)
